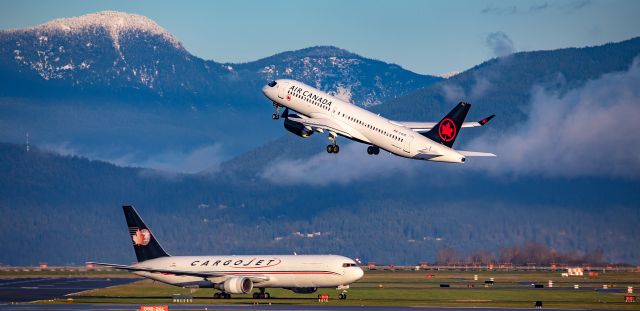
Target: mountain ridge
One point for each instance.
(148, 60)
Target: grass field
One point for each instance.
(415, 288)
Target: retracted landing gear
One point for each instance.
(276, 115)
(221, 295)
(373, 150)
(333, 147)
(262, 294)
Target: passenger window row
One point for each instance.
(381, 131)
(317, 103)
(314, 102)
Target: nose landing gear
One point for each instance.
(343, 294)
(333, 147)
(276, 115)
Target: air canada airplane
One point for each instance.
(319, 112)
(235, 274)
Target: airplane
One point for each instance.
(233, 274)
(320, 112)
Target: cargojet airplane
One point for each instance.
(319, 112)
(236, 274)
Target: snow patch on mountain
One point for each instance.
(342, 93)
(115, 23)
(449, 74)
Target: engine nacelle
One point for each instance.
(303, 290)
(297, 127)
(235, 285)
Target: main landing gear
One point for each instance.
(342, 296)
(221, 295)
(373, 150)
(333, 147)
(276, 115)
(261, 294)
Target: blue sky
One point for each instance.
(430, 37)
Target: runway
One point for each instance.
(15, 295)
(30, 289)
(130, 307)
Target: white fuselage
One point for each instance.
(285, 271)
(362, 125)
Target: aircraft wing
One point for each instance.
(426, 126)
(319, 121)
(201, 274)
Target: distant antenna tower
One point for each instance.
(27, 145)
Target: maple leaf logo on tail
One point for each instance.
(447, 130)
(141, 237)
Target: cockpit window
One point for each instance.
(344, 265)
(273, 83)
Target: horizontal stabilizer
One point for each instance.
(475, 153)
(422, 127)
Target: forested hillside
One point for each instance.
(67, 210)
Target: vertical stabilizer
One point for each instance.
(144, 242)
(446, 131)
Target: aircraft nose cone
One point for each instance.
(265, 89)
(358, 273)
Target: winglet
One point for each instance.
(486, 120)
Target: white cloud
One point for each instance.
(593, 130)
(205, 158)
(351, 164)
(500, 44)
(454, 93)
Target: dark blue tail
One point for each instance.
(447, 130)
(144, 243)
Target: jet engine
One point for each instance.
(297, 127)
(303, 290)
(235, 285)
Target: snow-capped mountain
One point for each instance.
(127, 55)
(105, 52)
(352, 77)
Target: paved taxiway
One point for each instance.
(118, 307)
(30, 289)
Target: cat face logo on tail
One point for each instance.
(141, 237)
